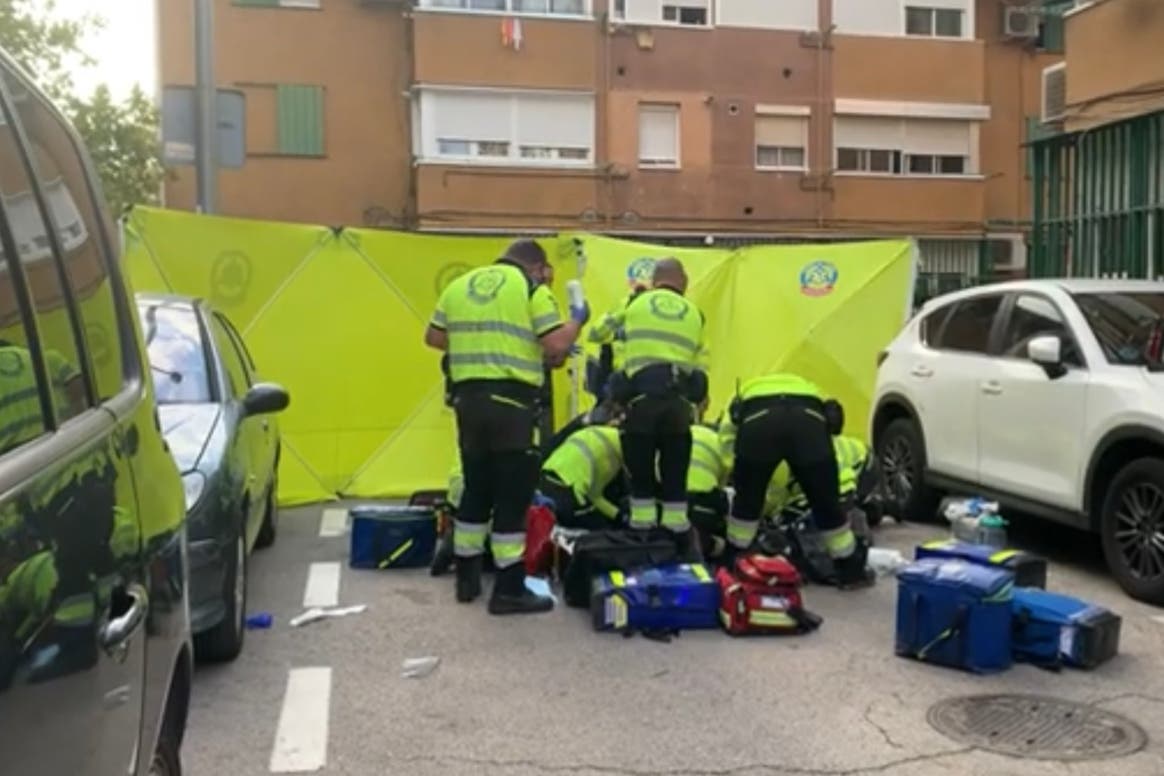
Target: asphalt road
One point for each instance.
(545, 694)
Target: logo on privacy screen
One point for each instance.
(640, 271)
(230, 276)
(448, 273)
(818, 278)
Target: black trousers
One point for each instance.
(657, 432)
(568, 511)
(773, 430)
(496, 433)
(707, 512)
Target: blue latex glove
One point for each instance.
(581, 314)
(543, 501)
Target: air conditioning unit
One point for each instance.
(1054, 102)
(1020, 22)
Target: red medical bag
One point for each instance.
(762, 595)
(539, 550)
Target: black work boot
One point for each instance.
(510, 595)
(468, 579)
(852, 571)
(442, 559)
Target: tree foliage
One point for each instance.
(122, 137)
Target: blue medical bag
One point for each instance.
(1029, 570)
(1054, 630)
(662, 599)
(954, 613)
(392, 537)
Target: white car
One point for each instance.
(1046, 395)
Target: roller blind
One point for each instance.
(467, 116)
(658, 132)
(786, 131)
(937, 136)
(552, 120)
(867, 132)
(771, 14)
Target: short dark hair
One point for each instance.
(527, 253)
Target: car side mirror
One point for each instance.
(1047, 352)
(266, 398)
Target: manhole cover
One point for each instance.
(1036, 727)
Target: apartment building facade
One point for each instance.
(800, 118)
(1099, 157)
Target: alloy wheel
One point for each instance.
(1139, 530)
(897, 468)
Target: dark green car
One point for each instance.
(217, 419)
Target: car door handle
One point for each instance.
(922, 371)
(992, 388)
(116, 634)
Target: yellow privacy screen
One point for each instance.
(338, 318)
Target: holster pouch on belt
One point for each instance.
(448, 380)
(694, 385)
(619, 388)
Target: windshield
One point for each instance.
(1129, 325)
(176, 353)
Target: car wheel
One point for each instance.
(224, 641)
(902, 456)
(270, 527)
(1132, 529)
(167, 761)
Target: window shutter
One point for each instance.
(466, 116)
(867, 132)
(555, 121)
(784, 131)
(658, 135)
(300, 110)
(937, 136)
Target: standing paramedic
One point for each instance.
(662, 380)
(783, 417)
(500, 327)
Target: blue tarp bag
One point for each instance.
(1053, 630)
(662, 599)
(392, 537)
(956, 614)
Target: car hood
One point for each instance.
(188, 429)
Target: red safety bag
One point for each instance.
(762, 594)
(539, 550)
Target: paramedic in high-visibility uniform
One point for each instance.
(579, 476)
(662, 379)
(607, 338)
(707, 499)
(500, 327)
(781, 418)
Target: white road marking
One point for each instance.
(333, 523)
(323, 582)
(301, 738)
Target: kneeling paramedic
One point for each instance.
(706, 498)
(500, 326)
(663, 378)
(781, 418)
(580, 475)
(607, 338)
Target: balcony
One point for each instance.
(451, 196)
(909, 69)
(938, 204)
(549, 53)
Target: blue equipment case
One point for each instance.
(1053, 630)
(956, 614)
(1029, 570)
(392, 537)
(664, 598)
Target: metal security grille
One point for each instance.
(1099, 201)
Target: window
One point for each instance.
(780, 142)
(692, 13)
(30, 229)
(177, 353)
(933, 22)
(931, 325)
(765, 14)
(510, 128)
(1129, 326)
(236, 373)
(240, 346)
(968, 327)
(658, 135)
(904, 146)
(279, 3)
(78, 222)
(550, 7)
(1036, 316)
